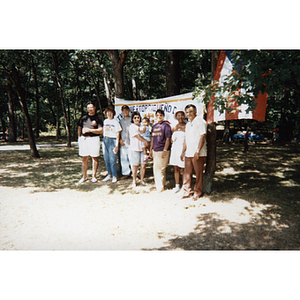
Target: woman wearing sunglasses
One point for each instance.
(136, 148)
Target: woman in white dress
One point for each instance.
(178, 136)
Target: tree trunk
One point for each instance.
(211, 138)
(107, 91)
(226, 132)
(57, 119)
(97, 93)
(118, 64)
(67, 124)
(76, 107)
(134, 88)
(173, 73)
(12, 136)
(246, 138)
(3, 125)
(14, 75)
(37, 117)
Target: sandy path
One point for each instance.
(70, 219)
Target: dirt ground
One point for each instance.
(255, 205)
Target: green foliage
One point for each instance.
(273, 71)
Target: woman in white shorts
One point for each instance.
(136, 150)
(90, 126)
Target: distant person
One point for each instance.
(90, 126)
(275, 134)
(136, 150)
(160, 149)
(144, 130)
(195, 152)
(177, 140)
(125, 142)
(110, 144)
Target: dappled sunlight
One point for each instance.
(290, 183)
(255, 204)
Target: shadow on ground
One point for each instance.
(268, 176)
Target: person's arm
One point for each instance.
(117, 142)
(142, 130)
(140, 138)
(122, 143)
(79, 131)
(151, 149)
(173, 129)
(200, 145)
(183, 150)
(96, 131)
(166, 147)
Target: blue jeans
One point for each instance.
(108, 145)
(125, 160)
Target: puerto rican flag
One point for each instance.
(225, 68)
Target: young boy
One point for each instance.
(144, 131)
(160, 149)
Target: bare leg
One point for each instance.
(177, 174)
(85, 164)
(145, 151)
(134, 174)
(95, 166)
(142, 172)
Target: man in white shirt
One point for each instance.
(195, 152)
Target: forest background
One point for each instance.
(200, 30)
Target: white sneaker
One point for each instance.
(82, 180)
(94, 179)
(114, 179)
(176, 189)
(107, 178)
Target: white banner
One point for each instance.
(169, 105)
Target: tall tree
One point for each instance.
(60, 91)
(118, 63)
(14, 75)
(211, 138)
(37, 96)
(12, 137)
(173, 73)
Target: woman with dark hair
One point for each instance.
(136, 149)
(110, 144)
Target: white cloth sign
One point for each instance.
(169, 105)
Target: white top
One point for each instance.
(176, 150)
(135, 144)
(193, 132)
(111, 127)
(125, 124)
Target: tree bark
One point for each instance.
(14, 75)
(3, 125)
(67, 124)
(134, 88)
(37, 101)
(57, 118)
(118, 64)
(246, 138)
(226, 132)
(211, 139)
(12, 136)
(97, 93)
(172, 73)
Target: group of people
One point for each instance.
(183, 146)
